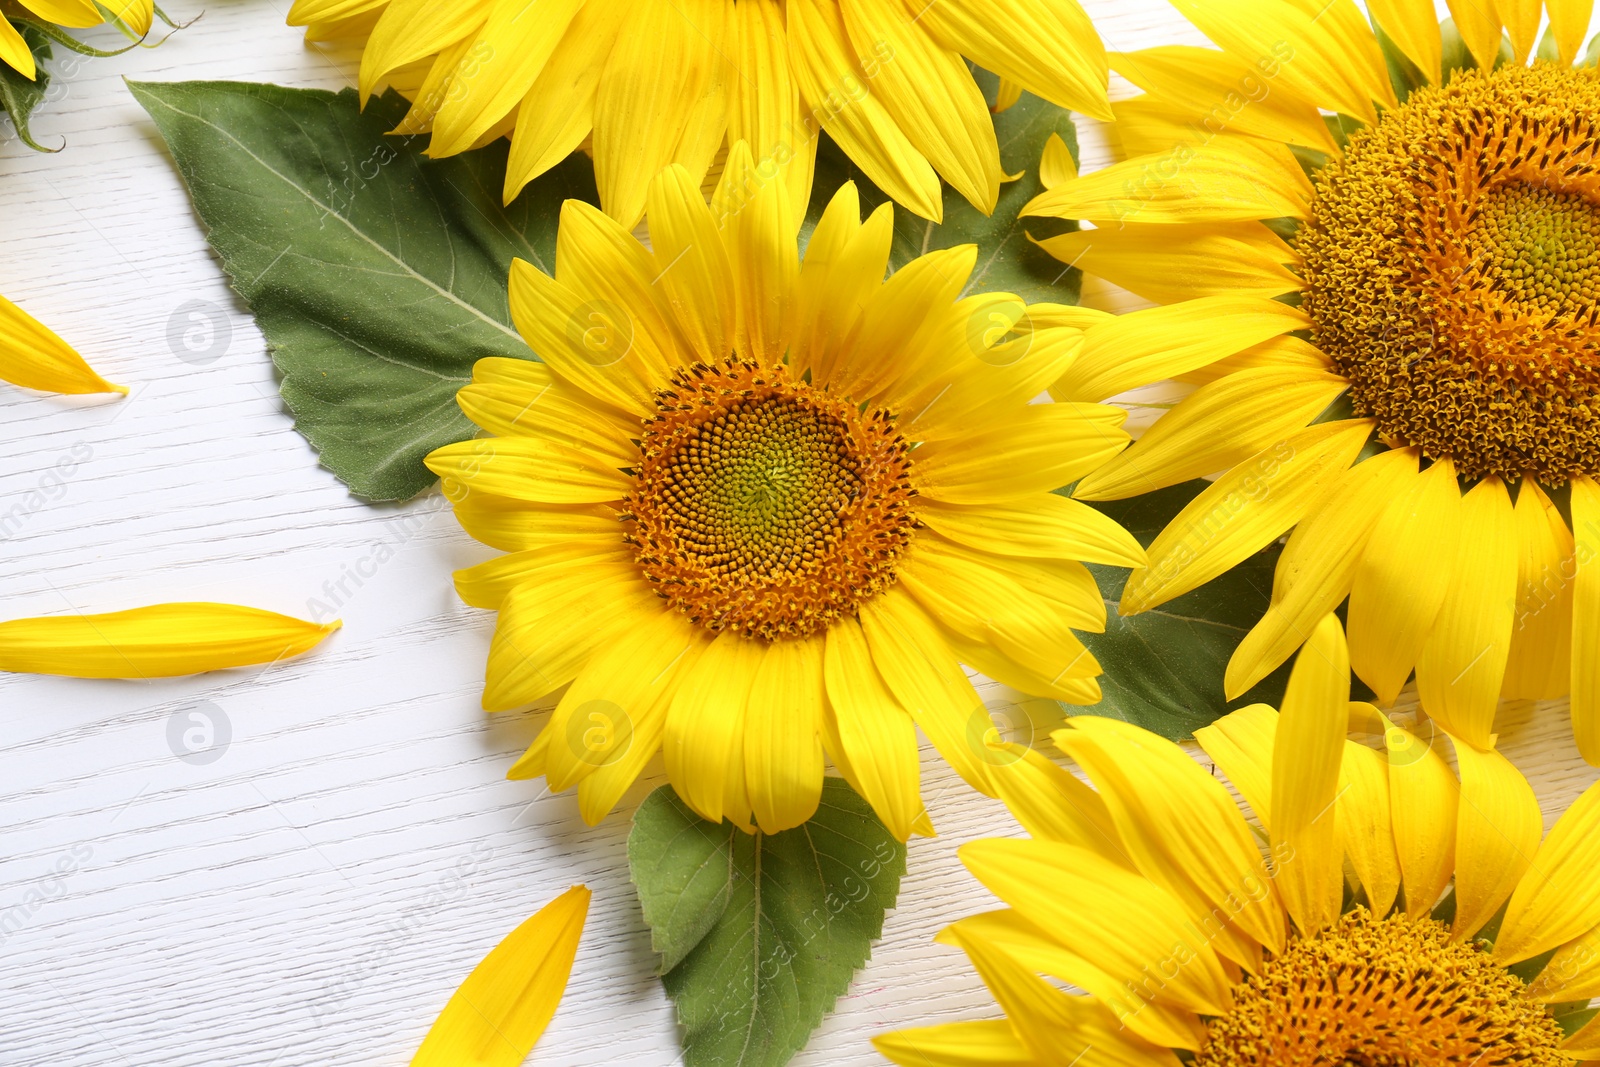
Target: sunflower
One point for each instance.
(673, 81)
(1381, 910)
(1390, 314)
(46, 15)
(759, 509)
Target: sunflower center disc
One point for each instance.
(1452, 265)
(1393, 992)
(767, 506)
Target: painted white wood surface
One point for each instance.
(313, 894)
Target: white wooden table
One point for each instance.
(311, 889)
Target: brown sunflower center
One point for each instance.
(1452, 264)
(765, 505)
(1393, 992)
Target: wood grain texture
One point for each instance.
(312, 896)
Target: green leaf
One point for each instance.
(1007, 261)
(377, 276)
(1164, 667)
(760, 934)
(18, 95)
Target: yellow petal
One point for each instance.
(1585, 1043)
(657, 70)
(512, 49)
(1058, 1027)
(551, 412)
(15, 53)
(877, 736)
(1051, 803)
(1366, 824)
(1307, 752)
(487, 584)
(1056, 165)
(138, 14)
(782, 736)
(1569, 22)
(1044, 526)
(1118, 920)
(1402, 579)
(1423, 798)
(974, 1044)
(931, 95)
(1573, 973)
(1586, 618)
(1223, 423)
(410, 30)
(1463, 661)
(497, 1015)
(1323, 52)
(557, 113)
(1170, 263)
(1243, 511)
(705, 131)
(1479, 26)
(1226, 180)
(1240, 744)
(1183, 832)
(924, 676)
(765, 106)
(77, 14)
(1045, 447)
(513, 526)
(538, 647)
(1146, 346)
(758, 229)
(1414, 28)
(1318, 565)
(1522, 25)
(840, 98)
(159, 641)
(1244, 97)
(896, 319)
(705, 735)
(844, 263)
(1286, 352)
(1539, 665)
(31, 355)
(1498, 829)
(1559, 898)
(985, 384)
(1049, 47)
(559, 326)
(527, 468)
(692, 264)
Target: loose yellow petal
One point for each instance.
(1498, 829)
(1586, 618)
(1539, 665)
(842, 102)
(783, 734)
(877, 736)
(1318, 565)
(1240, 744)
(1402, 579)
(1146, 346)
(498, 1014)
(159, 641)
(1183, 832)
(1219, 425)
(1226, 180)
(1559, 897)
(1463, 661)
(1056, 165)
(1243, 511)
(1307, 752)
(1171, 263)
(31, 355)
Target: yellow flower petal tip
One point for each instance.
(159, 641)
(503, 1007)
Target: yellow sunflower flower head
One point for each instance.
(136, 15)
(656, 82)
(1463, 935)
(1390, 315)
(760, 509)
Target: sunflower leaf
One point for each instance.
(18, 95)
(377, 276)
(1164, 667)
(760, 934)
(1008, 261)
